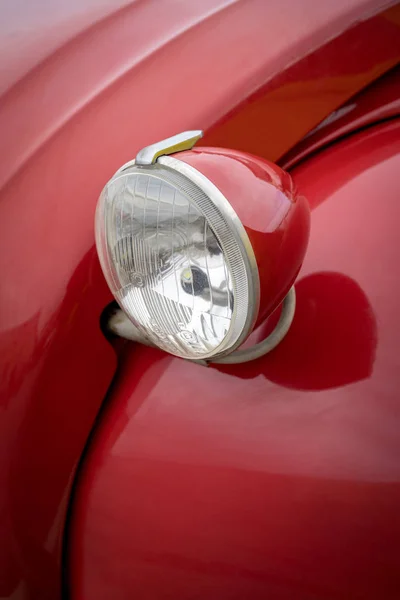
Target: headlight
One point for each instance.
(176, 255)
(177, 259)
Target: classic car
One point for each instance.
(158, 442)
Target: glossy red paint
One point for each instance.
(275, 217)
(278, 478)
(83, 101)
(54, 361)
(378, 102)
(291, 103)
(289, 71)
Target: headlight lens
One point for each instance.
(177, 259)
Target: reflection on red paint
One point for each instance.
(332, 340)
(282, 482)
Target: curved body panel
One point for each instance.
(378, 102)
(277, 478)
(90, 87)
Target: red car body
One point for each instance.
(126, 472)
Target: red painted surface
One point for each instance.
(32, 31)
(296, 99)
(66, 125)
(275, 217)
(279, 478)
(55, 370)
(378, 102)
(299, 67)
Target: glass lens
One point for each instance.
(164, 264)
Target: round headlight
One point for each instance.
(177, 258)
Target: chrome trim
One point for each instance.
(120, 324)
(271, 341)
(177, 143)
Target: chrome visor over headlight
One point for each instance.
(177, 258)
